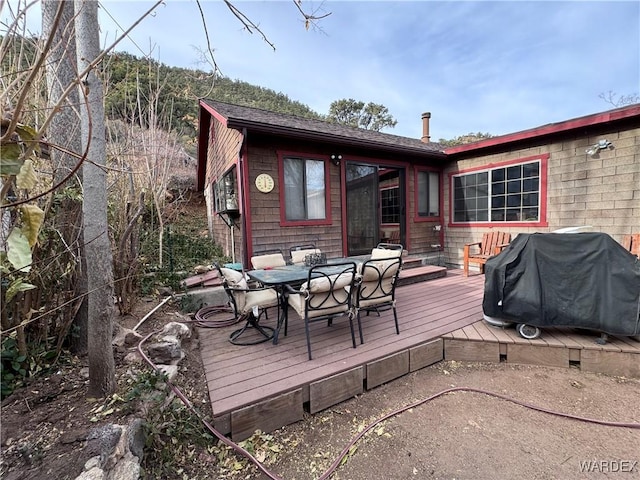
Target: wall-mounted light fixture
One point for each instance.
(594, 150)
(336, 158)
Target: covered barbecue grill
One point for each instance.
(580, 280)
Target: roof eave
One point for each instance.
(549, 129)
(327, 137)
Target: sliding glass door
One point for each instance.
(375, 206)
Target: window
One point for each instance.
(304, 189)
(508, 193)
(428, 191)
(224, 192)
(390, 205)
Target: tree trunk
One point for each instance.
(61, 72)
(96, 232)
(65, 130)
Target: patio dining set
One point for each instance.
(314, 287)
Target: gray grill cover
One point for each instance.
(581, 280)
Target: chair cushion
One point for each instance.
(371, 271)
(328, 303)
(374, 293)
(323, 284)
(364, 302)
(297, 256)
(233, 277)
(268, 260)
(262, 298)
(378, 253)
(375, 290)
(237, 283)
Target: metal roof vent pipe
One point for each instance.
(425, 127)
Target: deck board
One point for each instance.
(447, 308)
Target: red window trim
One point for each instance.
(544, 161)
(327, 189)
(417, 218)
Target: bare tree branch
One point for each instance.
(619, 100)
(79, 79)
(309, 19)
(249, 25)
(13, 122)
(206, 35)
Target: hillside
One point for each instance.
(178, 90)
(133, 84)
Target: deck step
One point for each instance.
(411, 262)
(420, 274)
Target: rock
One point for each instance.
(175, 329)
(132, 338)
(164, 352)
(165, 291)
(101, 442)
(117, 452)
(92, 463)
(133, 358)
(127, 468)
(120, 449)
(137, 438)
(171, 371)
(96, 473)
(173, 333)
(126, 338)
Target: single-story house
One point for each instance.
(273, 180)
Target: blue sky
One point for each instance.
(496, 67)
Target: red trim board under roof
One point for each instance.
(622, 113)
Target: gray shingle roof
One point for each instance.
(255, 119)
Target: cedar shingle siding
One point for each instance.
(224, 145)
(602, 191)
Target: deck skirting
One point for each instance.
(556, 347)
(272, 413)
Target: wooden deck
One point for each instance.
(267, 386)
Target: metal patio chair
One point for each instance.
(324, 296)
(387, 250)
(298, 253)
(376, 289)
(268, 259)
(248, 303)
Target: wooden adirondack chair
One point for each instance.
(492, 244)
(632, 243)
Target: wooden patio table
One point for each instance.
(278, 277)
